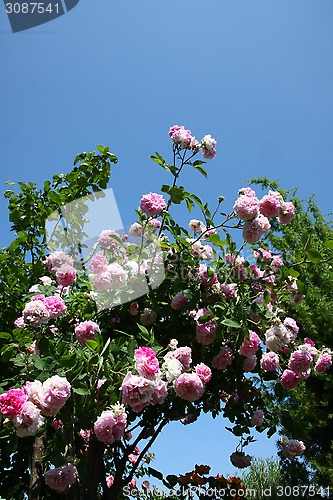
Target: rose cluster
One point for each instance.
(183, 138)
(150, 385)
(40, 310)
(27, 406)
(292, 448)
(255, 213)
(62, 266)
(147, 387)
(111, 424)
(118, 261)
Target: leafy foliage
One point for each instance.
(224, 307)
(306, 246)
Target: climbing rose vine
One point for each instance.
(94, 369)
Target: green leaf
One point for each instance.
(197, 200)
(216, 240)
(267, 298)
(7, 352)
(106, 346)
(177, 194)
(158, 158)
(92, 344)
(4, 335)
(103, 149)
(204, 318)
(201, 170)
(328, 244)
(291, 272)
(305, 239)
(39, 363)
(144, 333)
(313, 256)
(81, 391)
(189, 204)
(301, 287)
(165, 188)
(198, 162)
(231, 323)
(68, 360)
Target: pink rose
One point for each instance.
(291, 323)
(61, 478)
(269, 361)
(181, 136)
(118, 275)
(148, 317)
(135, 230)
(137, 391)
(19, 322)
(250, 363)
(160, 392)
(287, 212)
(56, 260)
(110, 425)
(276, 263)
(12, 402)
(323, 363)
(270, 204)
(292, 448)
(109, 481)
(205, 332)
(262, 253)
(98, 263)
(35, 313)
(55, 306)
(86, 331)
(134, 308)
(289, 379)
(108, 239)
(209, 146)
(247, 191)
(223, 358)
(189, 386)
(246, 207)
(132, 458)
(253, 230)
(29, 420)
(179, 301)
(257, 418)
(49, 396)
(250, 347)
(300, 361)
(152, 204)
(146, 362)
(155, 223)
(228, 291)
(66, 275)
(204, 372)
(182, 354)
(197, 226)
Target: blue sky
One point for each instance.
(256, 74)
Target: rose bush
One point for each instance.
(212, 337)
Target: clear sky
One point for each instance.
(256, 74)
